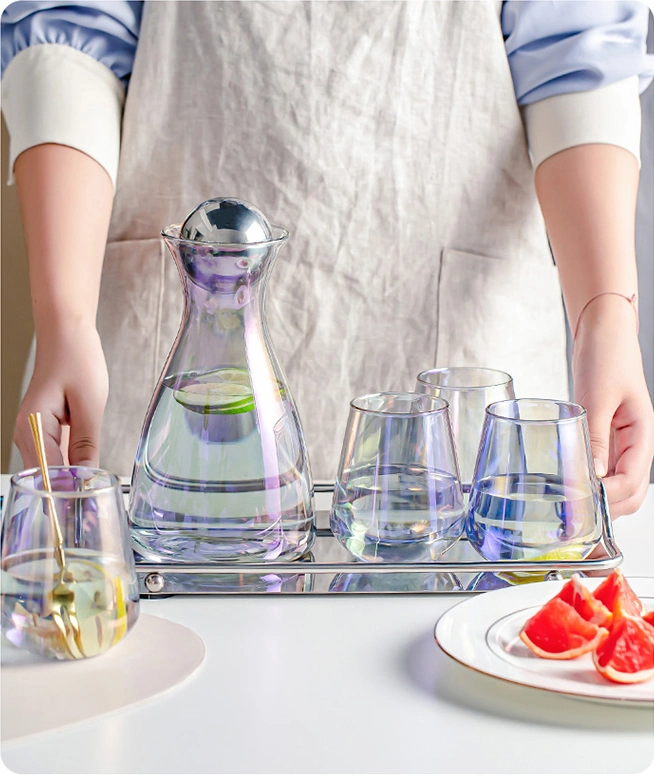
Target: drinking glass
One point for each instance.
(468, 390)
(398, 496)
(534, 493)
(78, 600)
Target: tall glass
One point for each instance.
(398, 496)
(222, 472)
(468, 390)
(534, 493)
(82, 600)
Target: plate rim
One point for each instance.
(541, 597)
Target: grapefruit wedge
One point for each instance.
(616, 594)
(591, 609)
(649, 618)
(627, 655)
(557, 631)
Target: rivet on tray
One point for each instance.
(154, 582)
(553, 575)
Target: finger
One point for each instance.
(630, 480)
(630, 504)
(25, 441)
(599, 418)
(619, 488)
(633, 444)
(85, 424)
(64, 443)
(614, 452)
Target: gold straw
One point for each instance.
(37, 432)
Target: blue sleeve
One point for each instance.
(107, 31)
(563, 46)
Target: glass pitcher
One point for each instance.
(221, 471)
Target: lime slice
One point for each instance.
(218, 396)
(240, 376)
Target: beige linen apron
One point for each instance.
(386, 137)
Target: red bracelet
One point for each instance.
(630, 299)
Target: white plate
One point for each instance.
(482, 633)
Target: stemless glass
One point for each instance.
(468, 390)
(88, 605)
(398, 496)
(534, 493)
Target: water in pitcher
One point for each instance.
(209, 485)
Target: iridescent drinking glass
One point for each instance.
(468, 390)
(534, 493)
(398, 496)
(81, 606)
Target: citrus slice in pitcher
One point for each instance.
(224, 391)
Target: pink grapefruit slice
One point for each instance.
(557, 631)
(627, 655)
(591, 609)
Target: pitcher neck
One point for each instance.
(223, 276)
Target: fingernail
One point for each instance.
(83, 464)
(600, 468)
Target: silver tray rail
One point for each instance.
(330, 569)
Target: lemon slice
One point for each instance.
(121, 611)
(571, 553)
(563, 553)
(99, 607)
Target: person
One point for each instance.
(393, 139)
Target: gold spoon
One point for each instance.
(64, 614)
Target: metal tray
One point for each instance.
(330, 569)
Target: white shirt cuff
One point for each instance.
(608, 115)
(53, 93)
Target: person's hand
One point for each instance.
(69, 387)
(609, 383)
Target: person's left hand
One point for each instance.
(609, 383)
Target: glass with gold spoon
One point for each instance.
(69, 588)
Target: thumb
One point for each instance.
(85, 424)
(599, 429)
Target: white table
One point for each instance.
(348, 685)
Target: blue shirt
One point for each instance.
(553, 47)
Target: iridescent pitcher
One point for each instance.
(221, 470)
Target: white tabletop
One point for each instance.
(348, 685)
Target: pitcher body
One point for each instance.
(221, 471)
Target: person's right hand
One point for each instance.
(69, 387)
